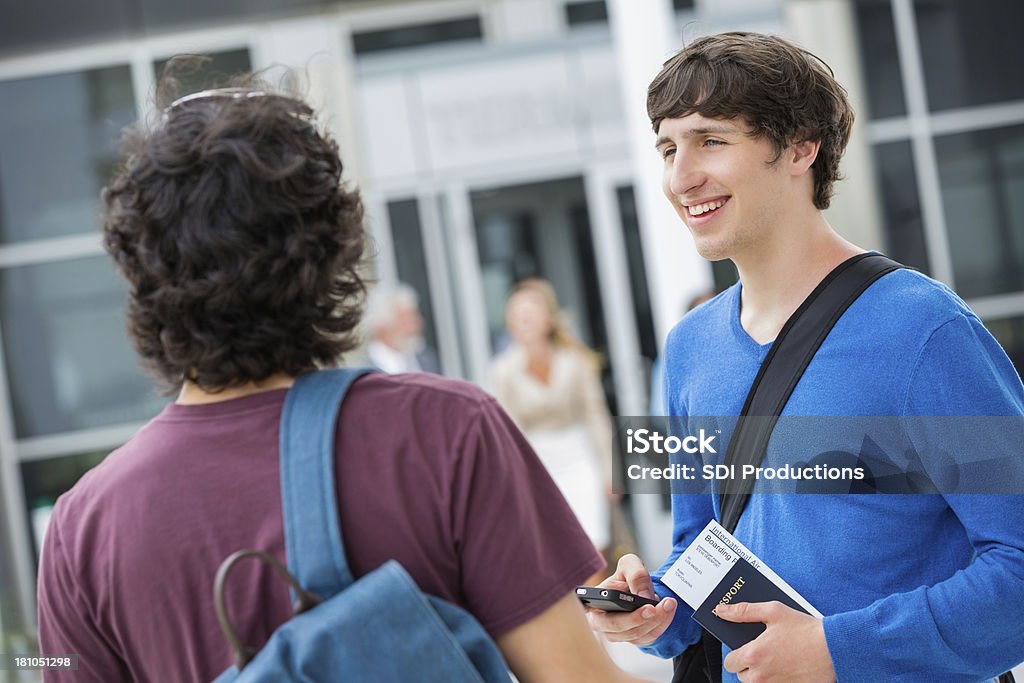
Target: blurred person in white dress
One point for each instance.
(549, 382)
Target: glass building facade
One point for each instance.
(946, 106)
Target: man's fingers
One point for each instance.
(627, 565)
(632, 569)
(731, 663)
(659, 618)
(792, 648)
(614, 622)
(764, 612)
(640, 627)
(744, 659)
(614, 582)
(643, 635)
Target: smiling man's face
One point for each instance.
(721, 182)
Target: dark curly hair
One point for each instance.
(240, 243)
(785, 93)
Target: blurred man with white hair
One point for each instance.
(396, 331)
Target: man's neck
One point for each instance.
(778, 278)
(192, 394)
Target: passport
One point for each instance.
(742, 583)
(716, 568)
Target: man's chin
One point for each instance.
(711, 251)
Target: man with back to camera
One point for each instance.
(751, 129)
(243, 248)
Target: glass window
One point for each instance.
(880, 58)
(971, 51)
(1009, 332)
(419, 35)
(643, 316)
(58, 145)
(162, 15)
(508, 245)
(69, 362)
(982, 178)
(38, 27)
(217, 72)
(901, 204)
(581, 13)
(411, 261)
(45, 481)
(14, 637)
(33, 27)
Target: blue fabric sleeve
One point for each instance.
(690, 514)
(968, 625)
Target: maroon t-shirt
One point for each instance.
(431, 472)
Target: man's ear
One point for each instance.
(802, 155)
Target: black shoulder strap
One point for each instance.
(785, 363)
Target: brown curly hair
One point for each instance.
(239, 241)
(785, 93)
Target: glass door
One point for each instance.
(540, 230)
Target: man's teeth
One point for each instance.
(698, 209)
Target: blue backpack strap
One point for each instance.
(312, 534)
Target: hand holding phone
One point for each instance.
(646, 622)
(611, 600)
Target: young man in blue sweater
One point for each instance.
(922, 588)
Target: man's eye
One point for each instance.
(667, 152)
(713, 143)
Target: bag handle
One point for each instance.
(304, 602)
(314, 547)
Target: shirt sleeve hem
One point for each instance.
(546, 599)
(675, 639)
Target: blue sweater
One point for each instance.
(922, 588)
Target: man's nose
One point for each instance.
(685, 174)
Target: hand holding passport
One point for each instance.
(718, 569)
(744, 584)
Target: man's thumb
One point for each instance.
(748, 611)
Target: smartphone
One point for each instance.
(611, 600)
